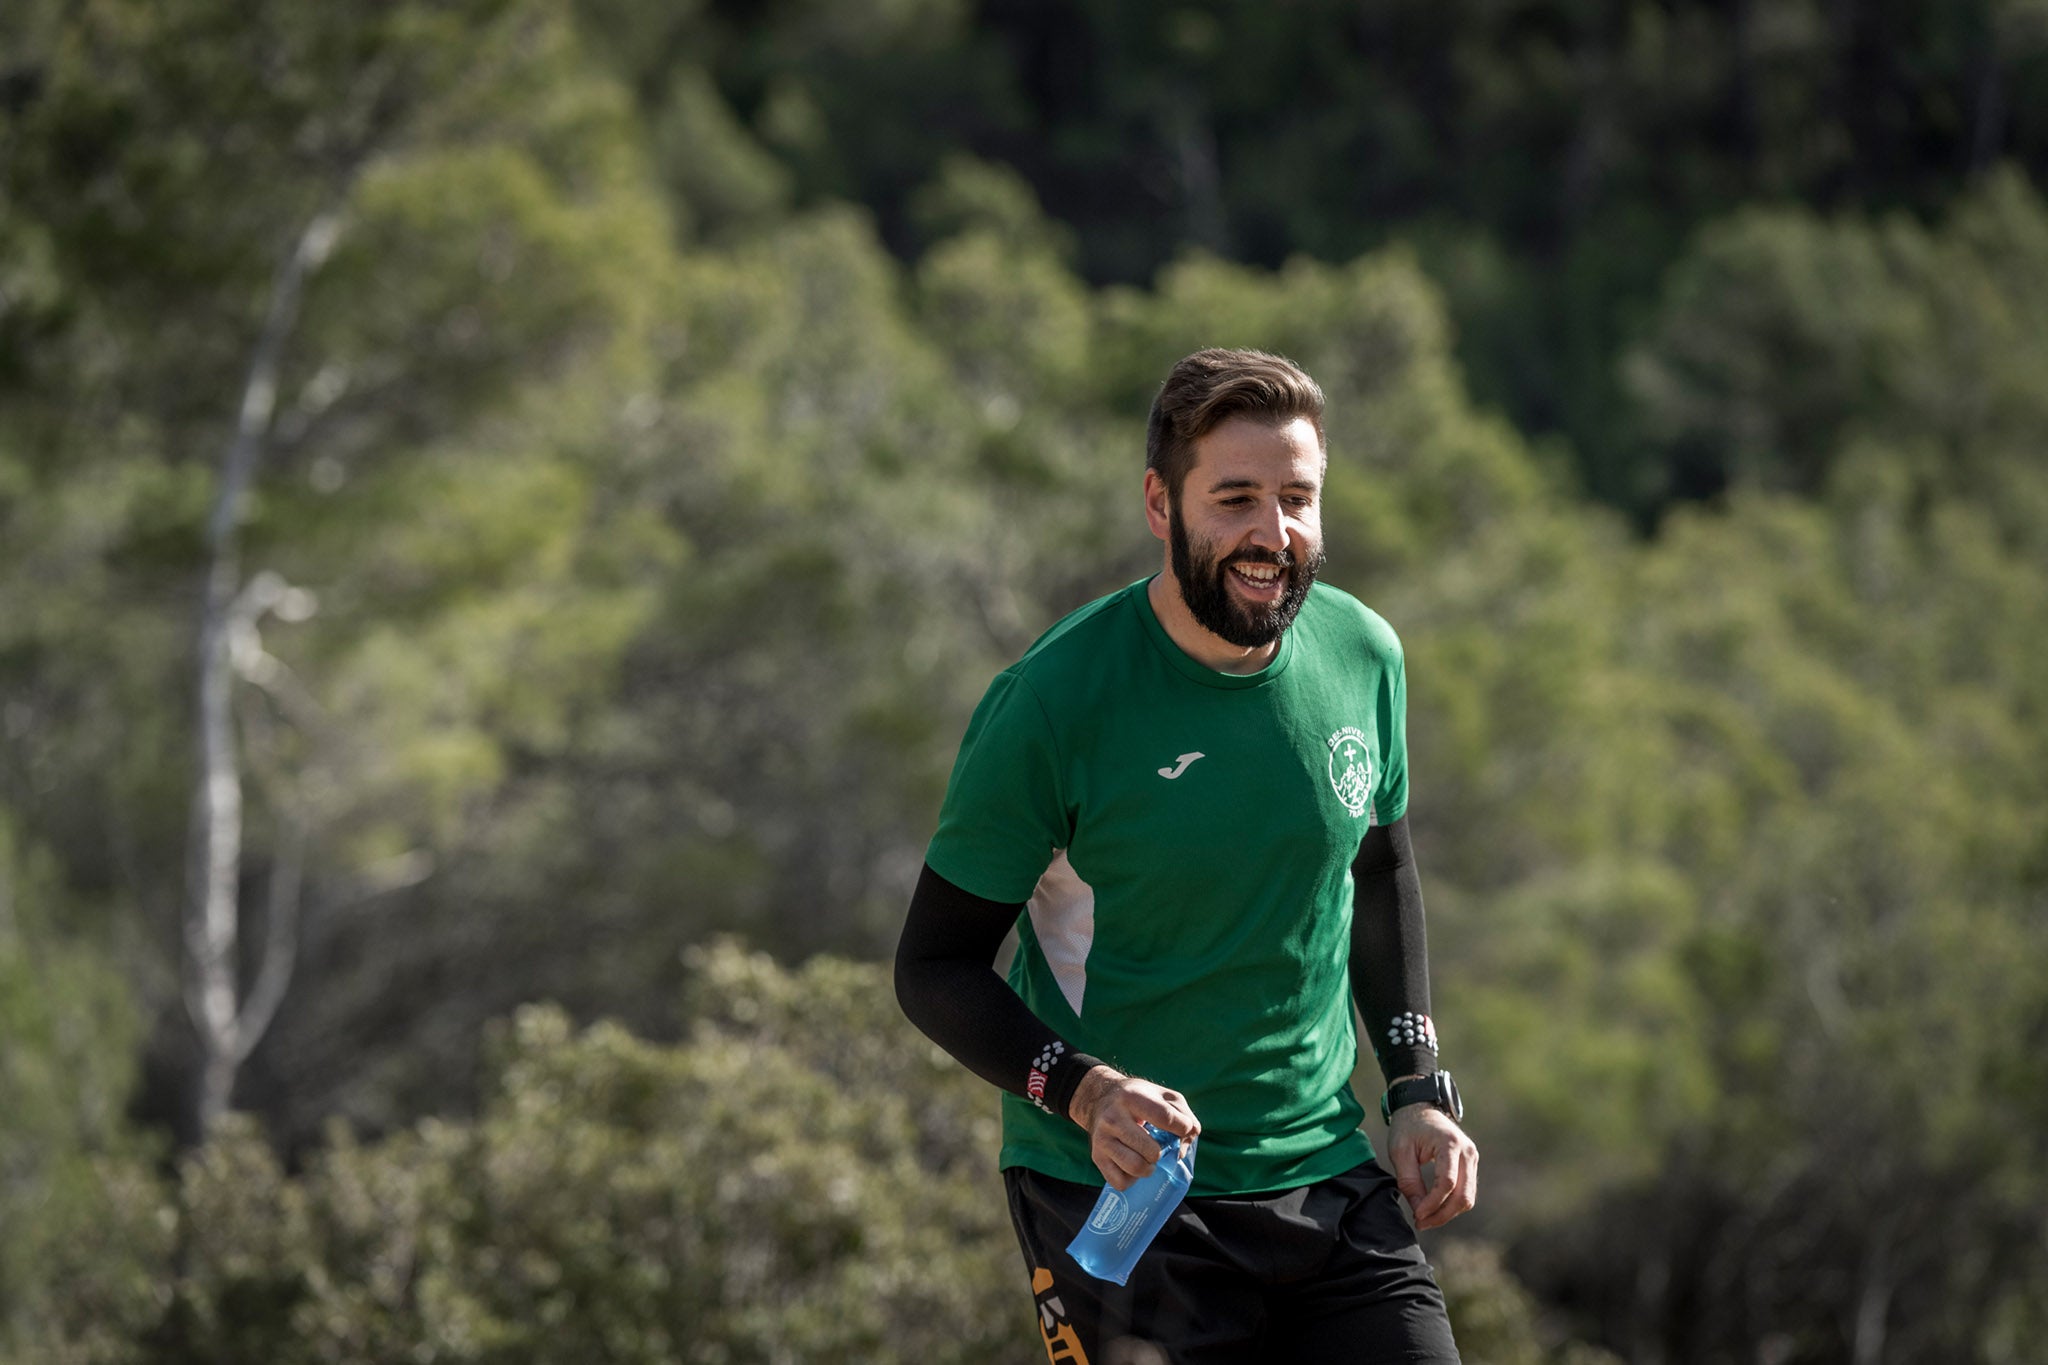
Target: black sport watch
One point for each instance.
(1436, 1088)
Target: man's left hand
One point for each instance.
(1423, 1134)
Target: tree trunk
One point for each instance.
(227, 1027)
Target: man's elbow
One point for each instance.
(907, 977)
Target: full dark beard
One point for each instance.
(1208, 596)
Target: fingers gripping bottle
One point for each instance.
(1124, 1224)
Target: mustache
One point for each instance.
(1279, 559)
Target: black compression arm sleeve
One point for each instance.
(947, 985)
(1390, 951)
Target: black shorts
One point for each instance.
(1330, 1272)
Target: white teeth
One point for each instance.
(1258, 573)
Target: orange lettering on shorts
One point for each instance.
(1062, 1345)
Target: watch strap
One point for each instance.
(1437, 1088)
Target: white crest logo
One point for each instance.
(1351, 769)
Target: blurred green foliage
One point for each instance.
(686, 426)
(804, 1177)
(80, 1266)
(1550, 162)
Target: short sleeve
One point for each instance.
(1390, 796)
(1003, 815)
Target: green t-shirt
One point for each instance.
(1183, 839)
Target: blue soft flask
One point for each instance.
(1124, 1224)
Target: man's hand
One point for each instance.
(1421, 1134)
(1115, 1108)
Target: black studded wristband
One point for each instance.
(1055, 1074)
(1411, 1029)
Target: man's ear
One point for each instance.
(1157, 513)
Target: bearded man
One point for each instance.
(1190, 800)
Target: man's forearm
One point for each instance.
(1390, 954)
(948, 988)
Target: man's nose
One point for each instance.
(1269, 527)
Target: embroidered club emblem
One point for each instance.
(1351, 769)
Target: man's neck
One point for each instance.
(1196, 640)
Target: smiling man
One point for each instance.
(1189, 798)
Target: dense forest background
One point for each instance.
(506, 505)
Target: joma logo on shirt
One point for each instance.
(1180, 766)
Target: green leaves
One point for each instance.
(662, 516)
(803, 1178)
(79, 1268)
(1785, 343)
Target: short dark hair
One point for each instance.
(1212, 386)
